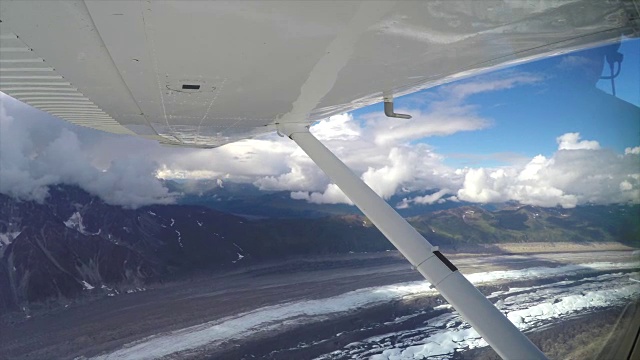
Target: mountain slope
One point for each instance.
(474, 225)
(74, 244)
(246, 199)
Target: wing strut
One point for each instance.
(476, 309)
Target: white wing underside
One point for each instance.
(132, 67)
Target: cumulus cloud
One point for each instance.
(32, 158)
(382, 150)
(571, 141)
(385, 180)
(632, 150)
(385, 168)
(390, 155)
(580, 172)
(377, 148)
(437, 196)
(331, 195)
(243, 161)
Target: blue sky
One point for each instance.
(526, 119)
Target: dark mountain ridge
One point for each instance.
(74, 244)
(526, 223)
(248, 200)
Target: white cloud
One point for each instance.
(625, 185)
(382, 151)
(32, 158)
(446, 114)
(571, 141)
(458, 92)
(400, 170)
(242, 161)
(331, 195)
(578, 173)
(481, 185)
(379, 149)
(634, 150)
(423, 125)
(339, 127)
(426, 199)
(385, 168)
(585, 65)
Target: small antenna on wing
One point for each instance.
(388, 108)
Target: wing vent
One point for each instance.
(29, 78)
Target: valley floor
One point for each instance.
(342, 306)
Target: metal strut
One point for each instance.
(474, 307)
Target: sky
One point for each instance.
(546, 133)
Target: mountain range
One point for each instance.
(248, 200)
(74, 245)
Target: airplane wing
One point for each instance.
(202, 73)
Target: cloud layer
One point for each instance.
(391, 155)
(33, 157)
(580, 172)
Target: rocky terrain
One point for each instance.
(75, 245)
(332, 306)
(74, 242)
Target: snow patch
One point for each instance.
(87, 286)
(8, 237)
(131, 291)
(259, 320)
(238, 247)
(530, 308)
(111, 292)
(75, 223)
(442, 343)
(441, 335)
(543, 272)
(240, 257)
(179, 238)
(569, 304)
